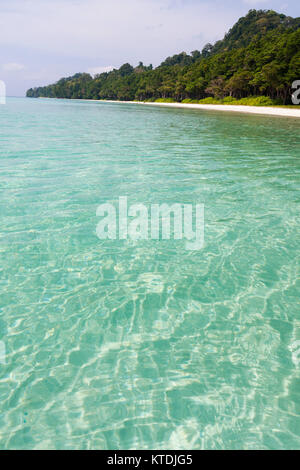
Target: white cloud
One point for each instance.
(96, 70)
(13, 67)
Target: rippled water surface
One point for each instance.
(122, 344)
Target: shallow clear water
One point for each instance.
(122, 344)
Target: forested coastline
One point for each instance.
(259, 57)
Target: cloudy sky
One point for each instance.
(43, 40)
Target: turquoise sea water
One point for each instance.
(123, 344)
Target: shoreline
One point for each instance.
(261, 110)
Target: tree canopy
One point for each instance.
(259, 56)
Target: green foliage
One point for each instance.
(255, 25)
(165, 100)
(189, 101)
(210, 100)
(257, 60)
(249, 101)
(257, 101)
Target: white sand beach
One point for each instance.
(263, 110)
